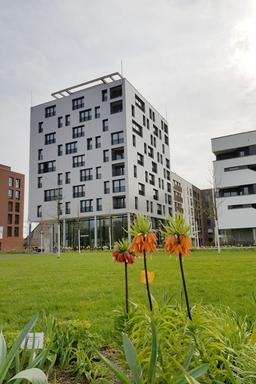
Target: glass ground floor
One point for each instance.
(93, 232)
(238, 236)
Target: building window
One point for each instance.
(97, 141)
(99, 204)
(154, 167)
(163, 148)
(50, 111)
(139, 103)
(39, 211)
(159, 209)
(116, 92)
(106, 155)
(144, 120)
(97, 112)
(117, 154)
(146, 176)
(9, 218)
(104, 95)
(86, 206)
(155, 194)
(116, 107)
(118, 170)
(17, 207)
(86, 174)
(119, 202)
(17, 219)
(17, 195)
(133, 111)
(50, 138)
(89, 143)
(137, 128)
(167, 163)
(169, 187)
(134, 140)
(47, 166)
(67, 120)
(119, 185)
(147, 206)
(78, 131)
(17, 183)
(141, 189)
(67, 207)
(135, 170)
(151, 179)
(40, 127)
(10, 182)
(98, 172)
(106, 187)
(117, 138)
(60, 150)
(60, 123)
(151, 207)
(10, 194)
(85, 115)
(39, 182)
(59, 179)
(10, 206)
(78, 191)
(9, 231)
(71, 147)
(78, 161)
(136, 202)
(155, 130)
(53, 194)
(67, 177)
(150, 152)
(140, 159)
(105, 125)
(78, 103)
(145, 148)
(166, 140)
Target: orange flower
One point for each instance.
(151, 277)
(181, 245)
(141, 243)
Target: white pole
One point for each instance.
(58, 240)
(41, 241)
(110, 240)
(129, 226)
(64, 234)
(79, 247)
(95, 232)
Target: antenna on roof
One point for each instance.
(122, 67)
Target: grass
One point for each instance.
(90, 285)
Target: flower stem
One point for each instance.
(184, 287)
(147, 284)
(126, 287)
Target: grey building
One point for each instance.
(99, 153)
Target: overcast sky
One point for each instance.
(194, 60)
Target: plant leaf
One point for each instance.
(3, 350)
(33, 375)
(119, 374)
(132, 359)
(153, 358)
(189, 356)
(15, 348)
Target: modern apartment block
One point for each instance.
(11, 209)
(99, 153)
(235, 181)
(208, 217)
(186, 199)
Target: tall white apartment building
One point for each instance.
(235, 181)
(99, 153)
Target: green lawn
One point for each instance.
(90, 285)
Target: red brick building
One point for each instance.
(11, 209)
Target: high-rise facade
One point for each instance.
(99, 153)
(235, 183)
(11, 209)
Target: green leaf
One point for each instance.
(15, 348)
(153, 358)
(3, 350)
(119, 374)
(132, 359)
(195, 372)
(33, 375)
(189, 356)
